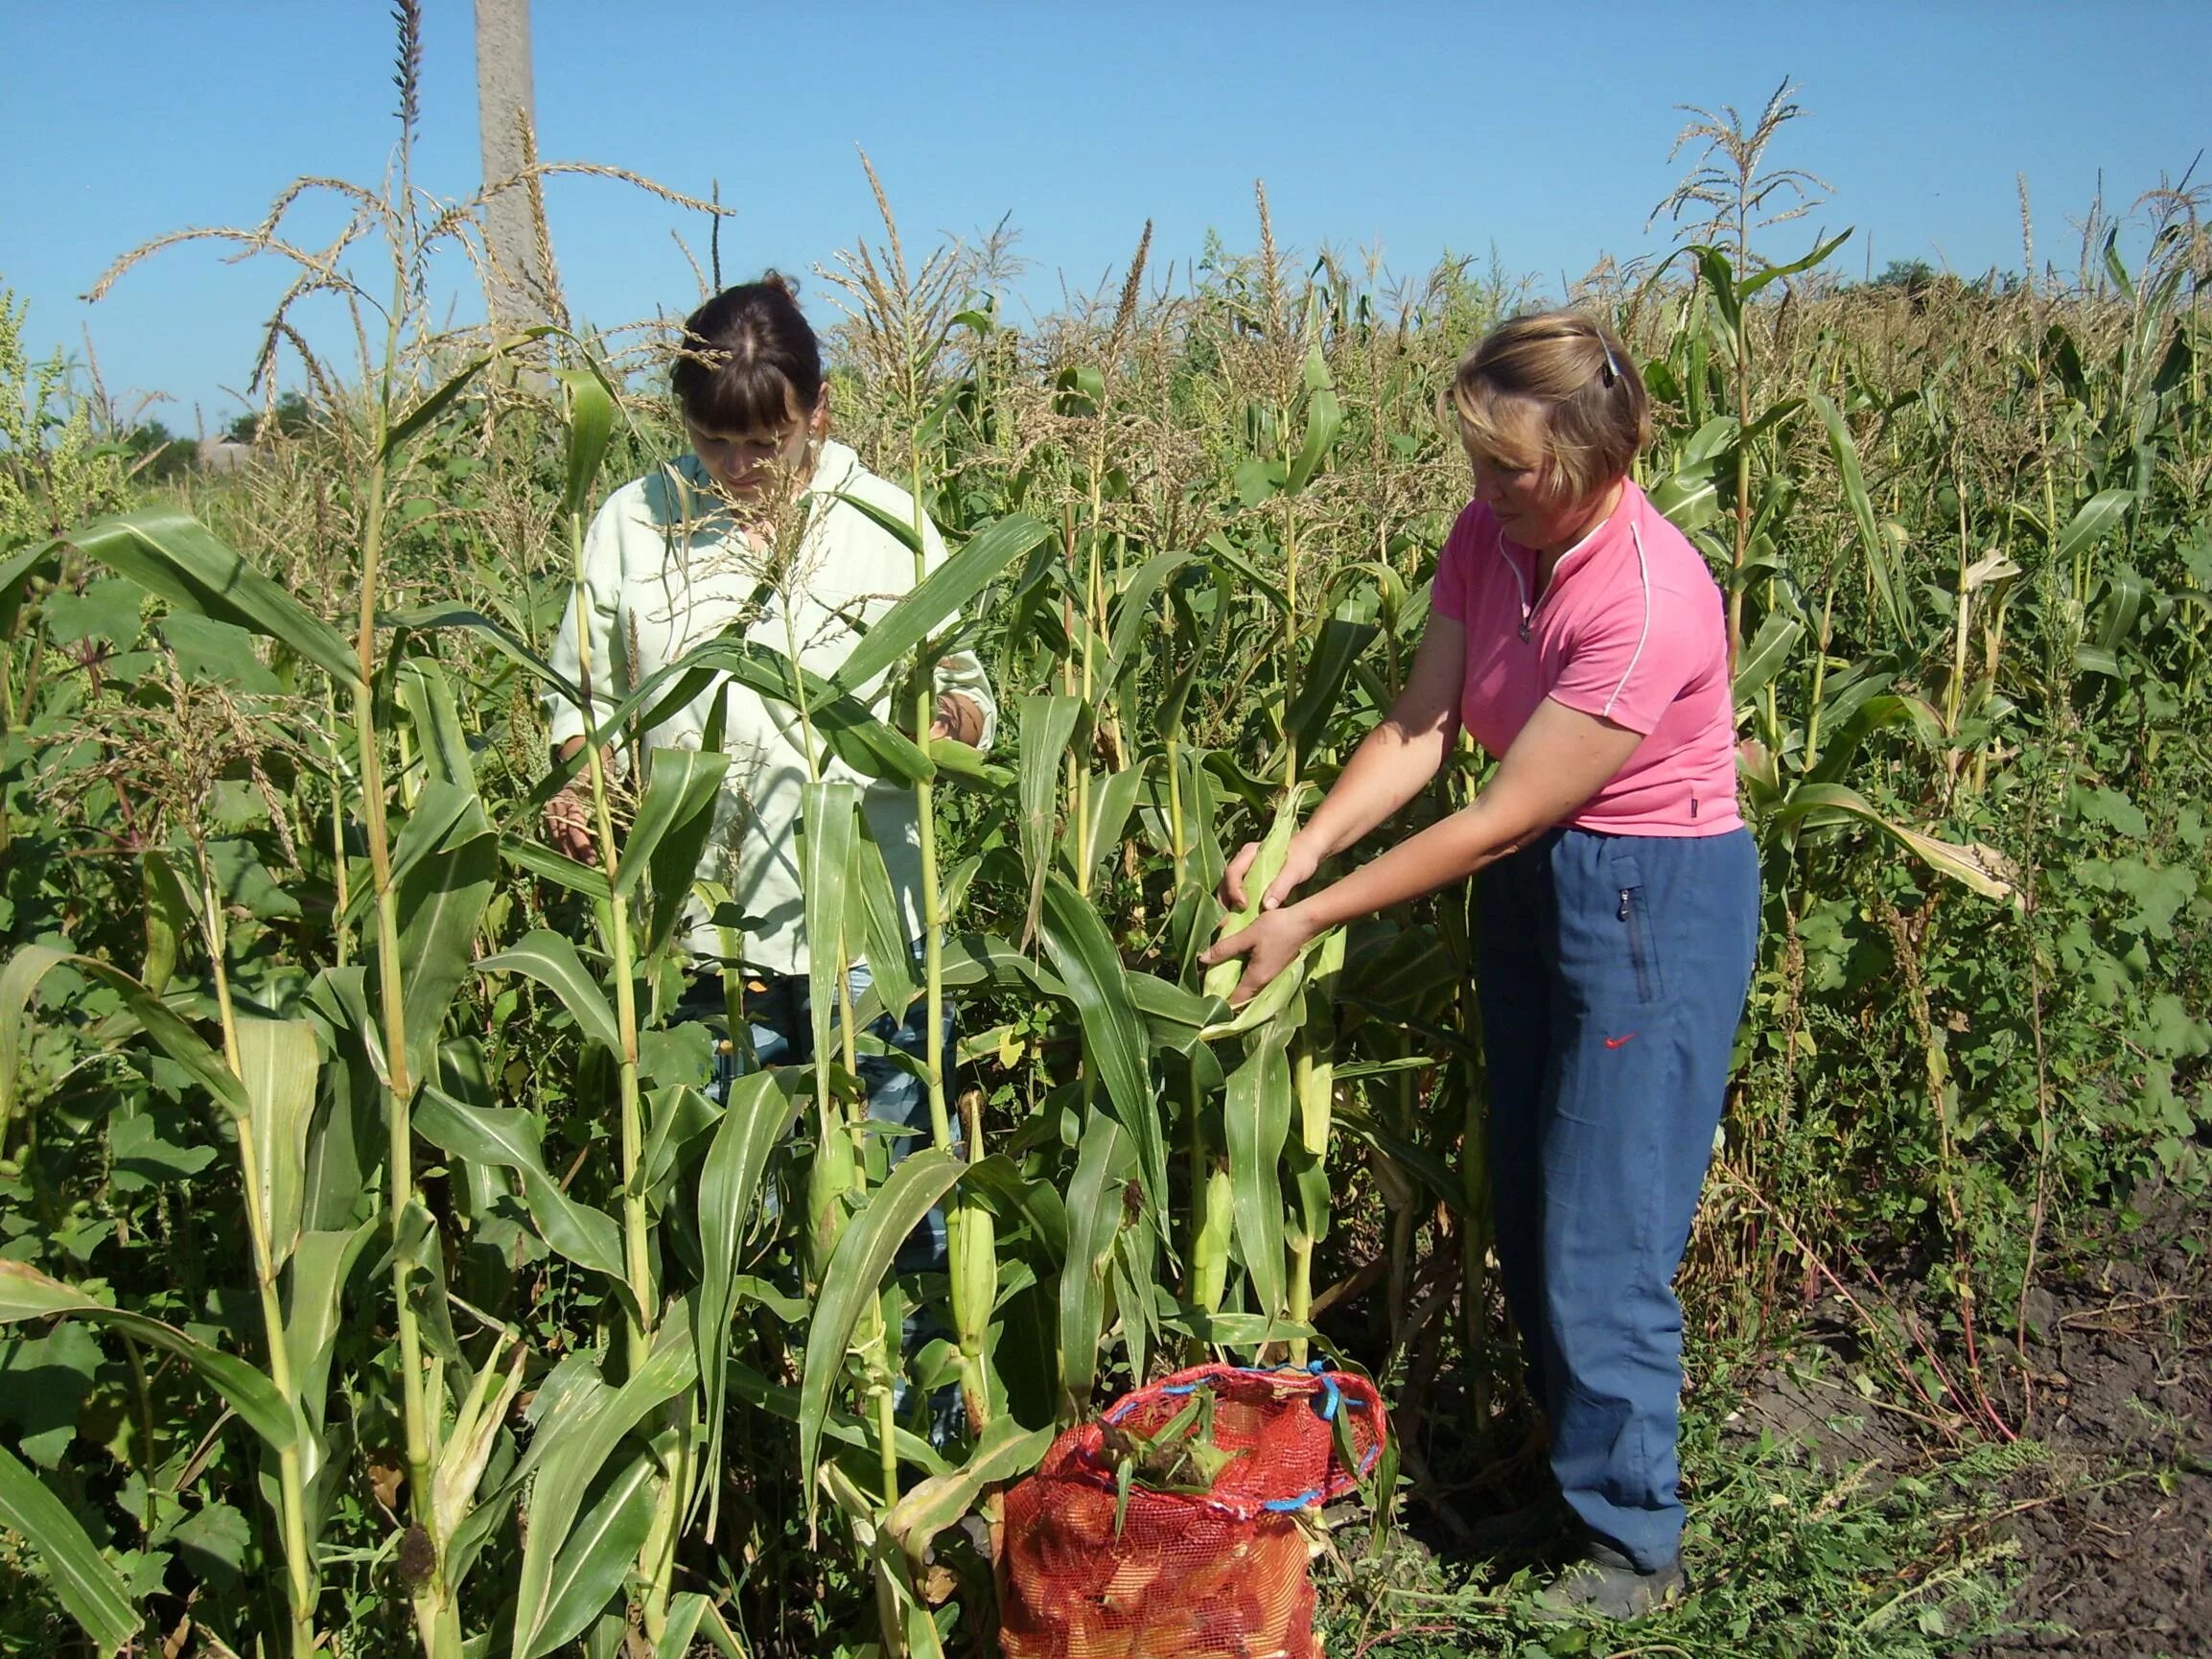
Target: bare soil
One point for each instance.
(2118, 1544)
(2112, 1517)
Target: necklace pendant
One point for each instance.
(1525, 630)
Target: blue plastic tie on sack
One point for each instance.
(1331, 1397)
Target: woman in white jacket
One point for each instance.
(752, 535)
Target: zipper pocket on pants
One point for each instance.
(1631, 916)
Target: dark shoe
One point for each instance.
(1521, 1531)
(1606, 1584)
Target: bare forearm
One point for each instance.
(1559, 761)
(1388, 770)
(1448, 850)
(568, 748)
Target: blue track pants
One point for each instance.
(1612, 974)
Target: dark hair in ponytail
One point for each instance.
(748, 359)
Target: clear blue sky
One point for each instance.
(1541, 131)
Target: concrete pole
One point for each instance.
(516, 284)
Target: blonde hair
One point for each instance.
(1572, 374)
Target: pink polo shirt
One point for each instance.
(1631, 630)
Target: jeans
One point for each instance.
(781, 1028)
(1612, 974)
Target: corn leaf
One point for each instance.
(2095, 517)
(1318, 385)
(1113, 796)
(580, 1442)
(1131, 607)
(843, 1427)
(954, 758)
(1237, 566)
(427, 696)
(27, 1293)
(282, 1062)
(944, 591)
(1972, 865)
(1113, 1031)
(551, 960)
(1237, 1330)
(674, 817)
(1877, 711)
(597, 1555)
(590, 412)
(1095, 1212)
(313, 1307)
(1767, 654)
(437, 810)
(1321, 684)
(998, 1183)
(849, 1284)
(1005, 1450)
(901, 527)
(1256, 1120)
(754, 1118)
(89, 1590)
(983, 959)
(1413, 1160)
(174, 555)
(168, 1029)
(1776, 272)
(1047, 728)
(507, 1137)
(428, 411)
(688, 1614)
(551, 866)
(847, 726)
(1324, 420)
(1882, 568)
(852, 733)
(1719, 277)
(451, 859)
(883, 930)
(827, 813)
(462, 619)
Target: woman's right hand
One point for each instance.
(567, 826)
(1298, 866)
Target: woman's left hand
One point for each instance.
(1268, 947)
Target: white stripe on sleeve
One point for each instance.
(1644, 573)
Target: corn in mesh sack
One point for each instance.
(1222, 1571)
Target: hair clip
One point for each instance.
(1612, 366)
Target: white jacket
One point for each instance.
(665, 570)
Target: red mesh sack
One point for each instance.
(1190, 1574)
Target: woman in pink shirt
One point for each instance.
(1579, 637)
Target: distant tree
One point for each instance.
(292, 417)
(1924, 286)
(1913, 275)
(156, 454)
